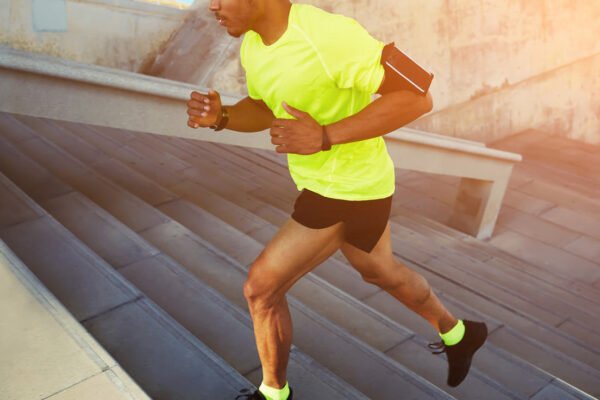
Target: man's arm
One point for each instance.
(247, 115)
(391, 111)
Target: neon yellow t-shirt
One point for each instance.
(327, 65)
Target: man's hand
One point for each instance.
(302, 135)
(204, 110)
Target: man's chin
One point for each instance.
(234, 33)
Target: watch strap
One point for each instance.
(326, 144)
(222, 121)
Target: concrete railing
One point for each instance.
(48, 87)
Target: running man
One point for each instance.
(310, 76)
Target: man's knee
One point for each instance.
(375, 270)
(387, 274)
(259, 290)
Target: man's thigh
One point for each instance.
(380, 259)
(294, 251)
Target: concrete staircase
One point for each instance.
(147, 240)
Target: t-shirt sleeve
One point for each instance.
(351, 54)
(252, 93)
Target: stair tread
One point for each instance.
(56, 254)
(157, 357)
(497, 257)
(118, 246)
(39, 183)
(13, 207)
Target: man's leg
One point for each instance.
(294, 251)
(381, 268)
(461, 339)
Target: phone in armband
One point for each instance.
(406, 73)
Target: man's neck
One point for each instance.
(274, 22)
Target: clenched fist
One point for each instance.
(204, 110)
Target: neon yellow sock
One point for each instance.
(454, 335)
(272, 393)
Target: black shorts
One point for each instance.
(364, 220)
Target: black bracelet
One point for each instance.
(326, 144)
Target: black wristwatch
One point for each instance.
(326, 144)
(223, 121)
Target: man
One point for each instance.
(310, 76)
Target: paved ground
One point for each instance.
(46, 353)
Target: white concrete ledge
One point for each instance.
(44, 86)
(41, 64)
(451, 143)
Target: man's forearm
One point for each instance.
(247, 116)
(386, 114)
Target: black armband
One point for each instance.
(402, 73)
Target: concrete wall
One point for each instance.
(200, 52)
(112, 33)
(564, 102)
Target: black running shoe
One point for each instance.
(460, 355)
(256, 395)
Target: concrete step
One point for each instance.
(551, 303)
(501, 259)
(157, 356)
(562, 195)
(566, 157)
(92, 225)
(537, 169)
(203, 221)
(34, 179)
